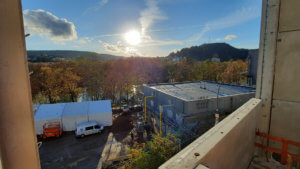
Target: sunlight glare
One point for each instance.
(133, 37)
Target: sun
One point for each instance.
(133, 37)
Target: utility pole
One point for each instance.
(145, 105)
(217, 117)
(160, 114)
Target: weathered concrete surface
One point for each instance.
(263, 163)
(287, 70)
(266, 60)
(285, 123)
(289, 15)
(285, 110)
(17, 134)
(226, 103)
(201, 167)
(228, 144)
(278, 73)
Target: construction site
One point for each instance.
(103, 150)
(192, 106)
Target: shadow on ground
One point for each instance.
(70, 152)
(122, 125)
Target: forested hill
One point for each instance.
(51, 55)
(206, 51)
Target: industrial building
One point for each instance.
(71, 114)
(193, 104)
(252, 67)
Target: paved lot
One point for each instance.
(85, 153)
(69, 152)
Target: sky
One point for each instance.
(139, 27)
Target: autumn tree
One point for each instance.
(55, 82)
(232, 73)
(115, 80)
(152, 154)
(48, 80)
(69, 85)
(92, 77)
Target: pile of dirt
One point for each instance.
(122, 123)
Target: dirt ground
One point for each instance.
(85, 153)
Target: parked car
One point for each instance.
(126, 109)
(88, 128)
(136, 108)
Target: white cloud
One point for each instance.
(148, 41)
(230, 37)
(230, 20)
(76, 46)
(218, 39)
(96, 7)
(121, 49)
(151, 14)
(147, 18)
(40, 22)
(84, 40)
(103, 2)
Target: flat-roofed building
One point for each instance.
(194, 104)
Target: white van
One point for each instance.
(87, 128)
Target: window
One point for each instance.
(89, 128)
(97, 127)
(202, 104)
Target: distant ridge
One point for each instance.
(207, 51)
(48, 55)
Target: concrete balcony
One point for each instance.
(229, 144)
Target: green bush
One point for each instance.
(152, 154)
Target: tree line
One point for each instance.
(67, 81)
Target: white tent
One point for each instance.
(47, 113)
(101, 112)
(73, 114)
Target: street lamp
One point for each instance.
(146, 104)
(160, 113)
(217, 111)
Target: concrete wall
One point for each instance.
(163, 99)
(279, 86)
(18, 144)
(203, 110)
(226, 103)
(252, 66)
(285, 111)
(233, 137)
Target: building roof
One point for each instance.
(76, 109)
(58, 110)
(190, 91)
(103, 106)
(49, 111)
